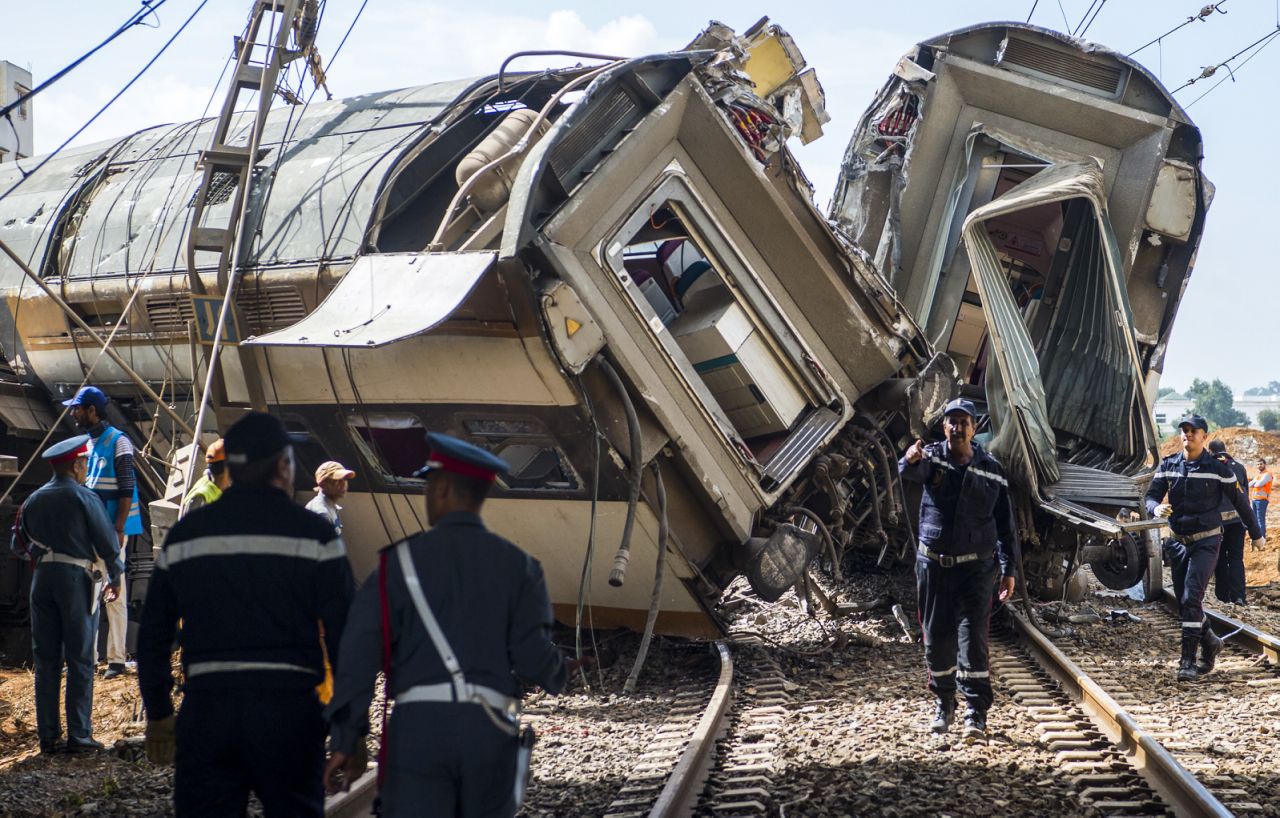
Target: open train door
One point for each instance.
(1082, 441)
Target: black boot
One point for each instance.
(1187, 668)
(1210, 647)
(943, 716)
(975, 725)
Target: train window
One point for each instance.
(667, 265)
(308, 452)
(537, 462)
(394, 443)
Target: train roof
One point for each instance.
(123, 207)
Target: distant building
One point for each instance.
(15, 142)
(1174, 405)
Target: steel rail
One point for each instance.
(1173, 782)
(680, 795)
(1242, 634)
(357, 801)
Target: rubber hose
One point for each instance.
(655, 599)
(618, 574)
(825, 533)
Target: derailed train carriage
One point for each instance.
(692, 373)
(1037, 202)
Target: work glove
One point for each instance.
(159, 740)
(1164, 511)
(343, 770)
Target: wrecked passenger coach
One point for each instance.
(1036, 202)
(646, 262)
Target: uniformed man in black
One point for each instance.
(1228, 577)
(451, 745)
(967, 539)
(64, 528)
(1196, 485)
(252, 578)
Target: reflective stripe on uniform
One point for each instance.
(443, 692)
(938, 461)
(251, 545)
(973, 674)
(1201, 475)
(1191, 625)
(947, 672)
(201, 668)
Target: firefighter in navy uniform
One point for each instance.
(1228, 577)
(459, 618)
(967, 539)
(64, 528)
(1196, 485)
(251, 577)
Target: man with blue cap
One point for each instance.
(63, 527)
(459, 619)
(111, 476)
(1197, 487)
(967, 535)
(253, 578)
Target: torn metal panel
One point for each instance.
(1083, 377)
(386, 298)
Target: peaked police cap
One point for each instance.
(460, 457)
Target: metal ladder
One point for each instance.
(259, 62)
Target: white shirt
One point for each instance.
(322, 505)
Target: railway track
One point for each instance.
(725, 746)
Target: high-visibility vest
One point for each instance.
(1260, 487)
(101, 477)
(205, 489)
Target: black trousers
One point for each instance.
(446, 759)
(1228, 578)
(955, 614)
(1191, 567)
(231, 742)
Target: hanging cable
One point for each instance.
(618, 574)
(1087, 11)
(46, 159)
(659, 571)
(1033, 9)
(1205, 13)
(149, 7)
(1066, 24)
(1210, 70)
(1231, 75)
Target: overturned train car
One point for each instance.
(614, 278)
(1036, 202)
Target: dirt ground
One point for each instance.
(1246, 445)
(102, 784)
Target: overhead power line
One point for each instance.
(26, 174)
(1084, 26)
(1033, 9)
(1204, 14)
(149, 7)
(1231, 76)
(1209, 70)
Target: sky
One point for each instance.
(1228, 320)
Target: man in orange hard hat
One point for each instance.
(216, 478)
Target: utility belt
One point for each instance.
(470, 694)
(1188, 539)
(97, 582)
(951, 560)
(1231, 516)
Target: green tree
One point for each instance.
(1165, 390)
(1272, 388)
(1269, 419)
(1214, 402)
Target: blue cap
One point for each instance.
(88, 396)
(68, 449)
(961, 405)
(1195, 421)
(460, 457)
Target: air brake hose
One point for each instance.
(618, 574)
(655, 599)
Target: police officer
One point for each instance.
(1228, 577)
(216, 478)
(966, 535)
(251, 578)
(1196, 485)
(466, 617)
(64, 528)
(111, 476)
